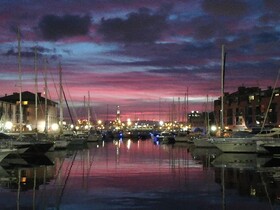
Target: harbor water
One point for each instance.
(128, 174)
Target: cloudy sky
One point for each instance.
(143, 55)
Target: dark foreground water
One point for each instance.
(140, 175)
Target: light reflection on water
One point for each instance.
(140, 175)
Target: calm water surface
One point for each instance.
(140, 175)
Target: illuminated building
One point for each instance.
(248, 107)
(10, 110)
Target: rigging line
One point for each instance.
(69, 111)
(67, 177)
(59, 171)
(91, 163)
(55, 85)
(266, 191)
(271, 97)
(72, 104)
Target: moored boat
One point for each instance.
(243, 145)
(94, 136)
(163, 138)
(204, 142)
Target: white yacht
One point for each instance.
(250, 143)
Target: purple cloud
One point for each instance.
(142, 26)
(54, 27)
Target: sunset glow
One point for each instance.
(140, 55)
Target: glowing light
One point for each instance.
(8, 125)
(23, 179)
(29, 127)
(213, 128)
(128, 144)
(55, 127)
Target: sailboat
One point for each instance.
(67, 137)
(93, 135)
(62, 141)
(26, 144)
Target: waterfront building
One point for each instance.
(200, 120)
(249, 107)
(10, 111)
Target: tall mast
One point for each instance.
(88, 110)
(20, 83)
(46, 97)
(207, 117)
(36, 91)
(222, 89)
(159, 109)
(187, 108)
(179, 110)
(60, 100)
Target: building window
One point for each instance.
(251, 98)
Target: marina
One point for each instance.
(140, 105)
(138, 174)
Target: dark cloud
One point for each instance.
(272, 18)
(55, 27)
(30, 52)
(206, 27)
(138, 27)
(12, 52)
(225, 8)
(267, 37)
(272, 5)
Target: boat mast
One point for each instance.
(60, 100)
(88, 111)
(46, 97)
(222, 89)
(207, 117)
(36, 91)
(20, 83)
(187, 108)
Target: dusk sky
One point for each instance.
(142, 55)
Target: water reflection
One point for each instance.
(129, 174)
(251, 175)
(21, 174)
